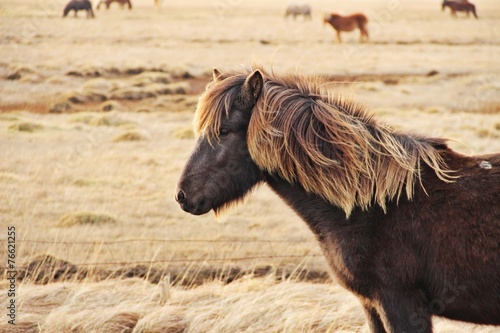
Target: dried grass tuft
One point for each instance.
(61, 106)
(146, 78)
(121, 322)
(85, 218)
(129, 136)
(88, 71)
(131, 93)
(26, 126)
(21, 72)
(83, 96)
(168, 89)
(106, 120)
(148, 91)
(110, 106)
(98, 119)
(46, 268)
(183, 133)
(164, 320)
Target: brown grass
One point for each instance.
(26, 126)
(111, 106)
(112, 119)
(183, 133)
(85, 218)
(130, 136)
(248, 305)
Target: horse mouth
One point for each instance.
(194, 211)
(196, 206)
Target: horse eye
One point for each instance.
(223, 132)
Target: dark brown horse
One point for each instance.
(460, 6)
(77, 5)
(109, 2)
(348, 23)
(408, 225)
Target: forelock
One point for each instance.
(215, 103)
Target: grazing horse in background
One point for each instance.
(408, 225)
(109, 2)
(460, 6)
(348, 23)
(77, 5)
(296, 10)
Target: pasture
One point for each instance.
(96, 125)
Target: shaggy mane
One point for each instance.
(330, 146)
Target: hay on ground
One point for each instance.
(85, 218)
(129, 136)
(26, 126)
(184, 133)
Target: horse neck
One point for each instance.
(327, 221)
(308, 206)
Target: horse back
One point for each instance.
(360, 18)
(461, 6)
(460, 222)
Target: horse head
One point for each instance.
(220, 170)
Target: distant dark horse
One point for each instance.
(408, 225)
(107, 3)
(348, 23)
(77, 5)
(460, 6)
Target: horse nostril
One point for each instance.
(181, 197)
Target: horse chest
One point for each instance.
(350, 263)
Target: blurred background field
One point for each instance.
(95, 127)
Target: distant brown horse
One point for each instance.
(109, 2)
(348, 23)
(408, 225)
(460, 6)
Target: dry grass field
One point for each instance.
(95, 126)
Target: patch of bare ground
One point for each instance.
(101, 88)
(163, 91)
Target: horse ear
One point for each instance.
(216, 75)
(253, 85)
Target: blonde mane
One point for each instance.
(331, 147)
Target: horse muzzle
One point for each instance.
(193, 204)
